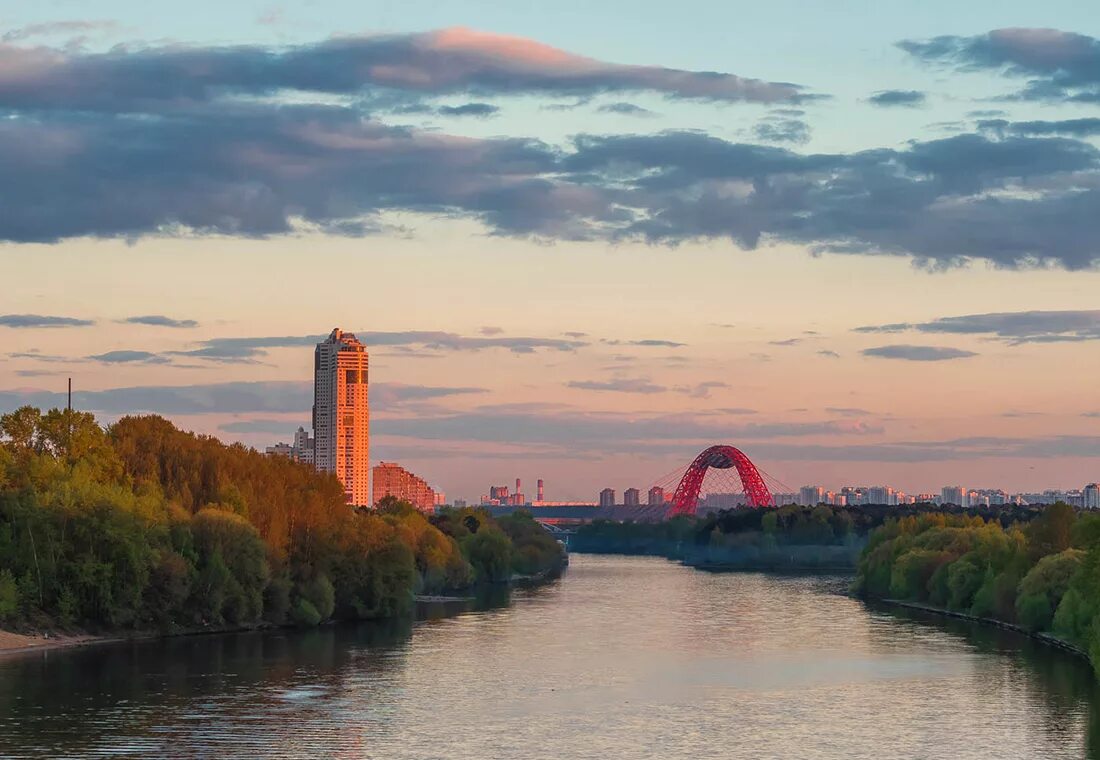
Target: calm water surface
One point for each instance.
(623, 658)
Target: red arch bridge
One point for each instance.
(720, 476)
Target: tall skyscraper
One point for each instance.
(341, 415)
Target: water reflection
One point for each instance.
(623, 658)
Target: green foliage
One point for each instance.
(1044, 575)
(9, 596)
(144, 526)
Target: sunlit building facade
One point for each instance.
(392, 479)
(341, 414)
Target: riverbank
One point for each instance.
(1046, 638)
(17, 643)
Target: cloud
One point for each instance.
(625, 109)
(236, 350)
(782, 130)
(787, 342)
(1085, 127)
(896, 98)
(129, 357)
(701, 390)
(223, 151)
(1059, 66)
(847, 411)
(130, 78)
(596, 430)
(828, 354)
(79, 28)
(646, 343)
(1015, 201)
(918, 353)
(38, 320)
(1014, 328)
(221, 398)
(491, 330)
(575, 335)
(478, 110)
(619, 385)
(159, 320)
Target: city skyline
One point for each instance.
(579, 255)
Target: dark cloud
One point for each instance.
(129, 357)
(829, 354)
(942, 201)
(235, 350)
(187, 158)
(625, 109)
(782, 130)
(73, 28)
(618, 385)
(1085, 127)
(1014, 328)
(130, 79)
(159, 320)
(700, 390)
(918, 353)
(1060, 66)
(575, 334)
(478, 110)
(646, 342)
(38, 320)
(896, 98)
(847, 411)
(595, 430)
(221, 398)
(787, 342)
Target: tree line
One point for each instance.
(143, 526)
(1043, 575)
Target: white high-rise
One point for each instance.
(341, 414)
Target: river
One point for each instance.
(622, 658)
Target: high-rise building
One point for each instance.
(656, 496)
(632, 497)
(954, 495)
(303, 447)
(394, 480)
(607, 497)
(341, 415)
(811, 496)
(1091, 496)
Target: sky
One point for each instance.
(857, 240)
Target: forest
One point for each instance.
(1043, 576)
(142, 526)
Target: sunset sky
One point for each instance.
(580, 243)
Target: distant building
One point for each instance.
(341, 415)
(1091, 496)
(498, 494)
(303, 447)
(632, 497)
(280, 450)
(459, 504)
(394, 480)
(811, 496)
(656, 496)
(541, 491)
(607, 497)
(956, 495)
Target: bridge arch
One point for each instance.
(686, 498)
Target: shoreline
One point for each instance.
(14, 644)
(1046, 638)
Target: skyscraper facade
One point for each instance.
(341, 414)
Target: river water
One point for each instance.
(622, 658)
